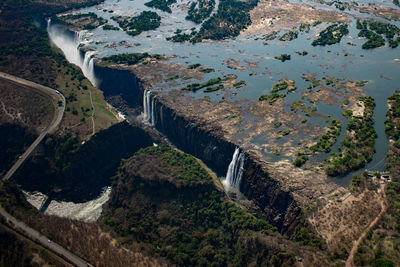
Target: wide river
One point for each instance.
(345, 60)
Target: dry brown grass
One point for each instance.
(92, 242)
(271, 16)
(24, 106)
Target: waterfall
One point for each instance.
(153, 104)
(147, 115)
(71, 49)
(149, 105)
(88, 67)
(235, 171)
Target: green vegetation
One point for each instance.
(163, 5)
(304, 53)
(109, 27)
(289, 36)
(232, 17)
(381, 246)
(87, 21)
(331, 35)
(181, 166)
(270, 36)
(200, 10)
(193, 66)
(239, 84)
(65, 162)
(358, 143)
(375, 32)
(180, 37)
(301, 105)
(197, 86)
(206, 70)
(279, 87)
(180, 215)
(145, 21)
(299, 161)
(283, 57)
(304, 27)
(326, 141)
(130, 59)
(14, 140)
(271, 98)
(213, 88)
(287, 85)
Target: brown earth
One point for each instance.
(270, 16)
(24, 106)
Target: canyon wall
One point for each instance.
(276, 205)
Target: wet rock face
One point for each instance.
(277, 206)
(191, 139)
(116, 82)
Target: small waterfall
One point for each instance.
(71, 49)
(235, 171)
(147, 107)
(153, 118)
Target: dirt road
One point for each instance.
(382, 200)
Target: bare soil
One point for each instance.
(271, 16)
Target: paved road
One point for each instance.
(55, 96)
(44, 241)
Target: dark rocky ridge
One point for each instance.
(77, 172)
(277, 206)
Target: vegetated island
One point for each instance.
(358, 143)
(86, 21)
(163, 5)
(373, 31)
(332, 34)
(200, 10)
(145, 21)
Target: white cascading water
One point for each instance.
(148, 105)
(70, 48)
(87, 67)
(235, 171)
(153, 105)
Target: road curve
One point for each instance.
(44, 241)
(59, 108)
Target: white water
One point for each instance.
(70, 48)
(148, 107)
(88, 211)
(235, 171)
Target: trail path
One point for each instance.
(91, 102)
(58, 101)
(382, 201)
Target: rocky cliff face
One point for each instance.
(277, 206)
(118, 82)
(69, 171)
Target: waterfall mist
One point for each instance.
(70, 47)
(235, 171)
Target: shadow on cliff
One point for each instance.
(67, 170)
